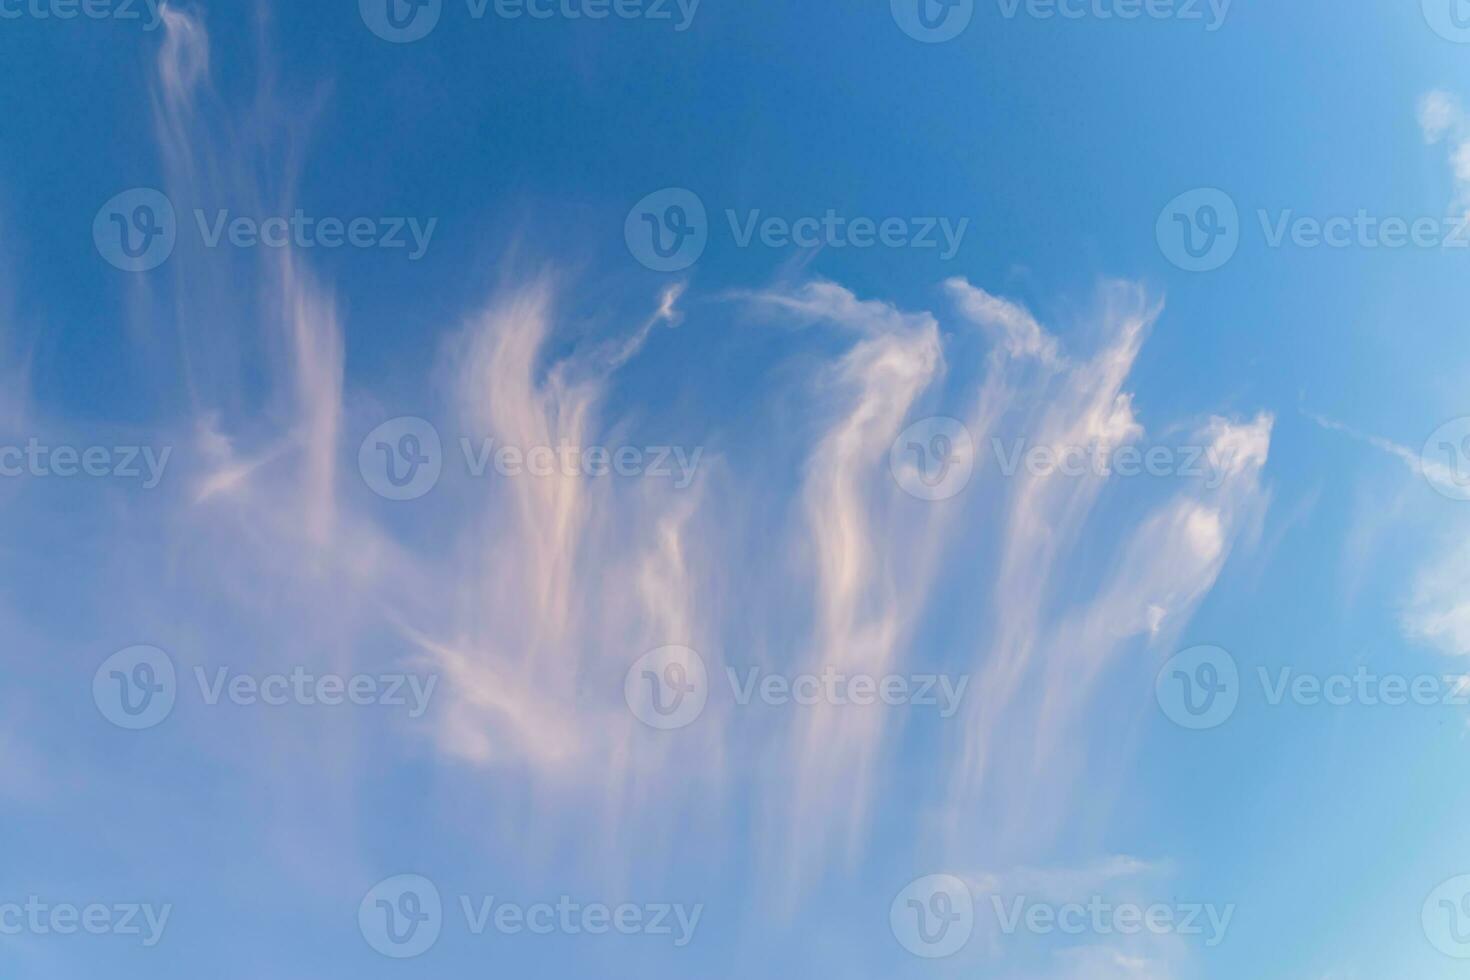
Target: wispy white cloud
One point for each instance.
(1442, 120)
(533, 598)
(1046, 650)
(1437, 611)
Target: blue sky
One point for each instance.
(610, 540)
